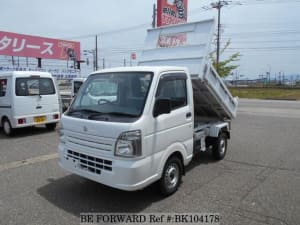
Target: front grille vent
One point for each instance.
(90, 163)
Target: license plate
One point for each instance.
(40, 119)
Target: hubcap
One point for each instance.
(171, 176)
(222, 146)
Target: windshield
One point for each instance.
(115, 94)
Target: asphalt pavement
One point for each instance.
(257, 183)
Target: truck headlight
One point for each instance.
(129, 144)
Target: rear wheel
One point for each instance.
(220, 147)
(8, 130)
(171, 176)
(50, 126)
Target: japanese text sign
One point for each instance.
(38, 47)
(171, 12)
(172, 40)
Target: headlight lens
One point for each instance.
(129, 144)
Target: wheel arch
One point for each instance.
(175, 150)
(178, 155)
(3, 118)
(226, 131)
(217, 129)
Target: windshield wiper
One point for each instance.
(122, 114)
(111, 113)
(83, 110)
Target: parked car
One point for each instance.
(28, 98)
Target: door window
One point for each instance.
(173, 87)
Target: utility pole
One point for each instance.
(96, 53)
(218, 5)
(12, 61)
(39, 62)
(154, 16)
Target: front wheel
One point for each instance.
(220, 147)
(171, 176)
(8, 130)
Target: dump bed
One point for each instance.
(188, 45)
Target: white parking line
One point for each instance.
(25, 162)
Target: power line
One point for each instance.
(264, 2)
(110, 32)
(191, 12)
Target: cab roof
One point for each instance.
(25, 73)
(154, 69)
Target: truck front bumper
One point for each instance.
(128, 175)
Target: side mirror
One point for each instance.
(162, 106)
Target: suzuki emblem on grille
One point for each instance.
(85, 129)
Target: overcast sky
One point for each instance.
(265, 32)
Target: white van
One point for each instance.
(28, 98)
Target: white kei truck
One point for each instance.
(28, 98)
(132, 126)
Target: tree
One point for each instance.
(225, 67)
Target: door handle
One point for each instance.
(38, 107)
(188, 115)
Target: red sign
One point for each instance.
(133, 56)
(171, 40)
(171, 12)
(38, 47)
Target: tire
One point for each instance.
(220, 147)
(51, 126)
(7, 129)
(171, 176)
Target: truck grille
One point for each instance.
(90, 163)
(91, 142)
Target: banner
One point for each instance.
(171, 12)
(60, 74)
(14, 44)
